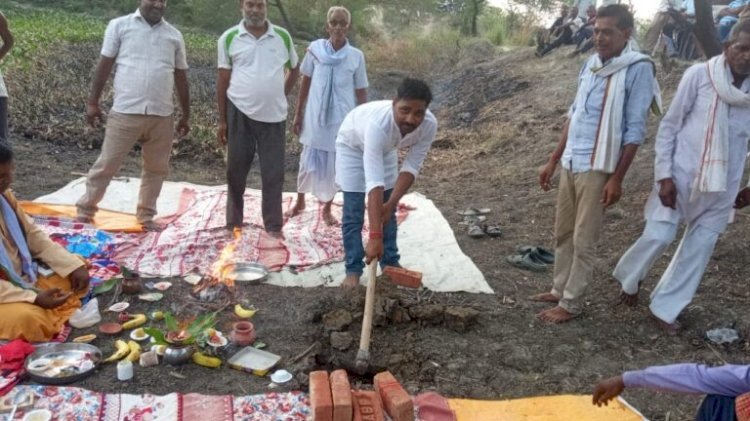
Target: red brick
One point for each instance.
(320, 396)
(396, 400)
(342, 396)
(367, 406)
(404, 277)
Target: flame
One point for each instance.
(221, 266)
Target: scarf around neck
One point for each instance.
(329, 58)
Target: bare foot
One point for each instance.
(351, 281)
(299, 206)
(547, 297)
(555, 315)
(329, 219)
(152, 226)
(84, 219)
(671, 329)
(630, 300)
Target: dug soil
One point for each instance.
(500, 116)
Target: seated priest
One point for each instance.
(35, 302)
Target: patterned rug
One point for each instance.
(71, 403)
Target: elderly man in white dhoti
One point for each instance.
(334, 81)
(700, 156)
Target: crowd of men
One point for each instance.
(351, 145)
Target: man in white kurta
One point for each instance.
(367, 167)
(696, 183)
(334, 81)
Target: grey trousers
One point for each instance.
(246, 137)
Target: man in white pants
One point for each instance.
(700, 156)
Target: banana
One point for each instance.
(135, 351)
(135, 321)
(244, 313)
(206, 361)
(122, 350)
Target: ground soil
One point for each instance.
(500, 117)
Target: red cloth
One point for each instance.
(433, 407)
(14, 353)
(12, 356)
(742, 407)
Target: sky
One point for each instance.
(644, 9)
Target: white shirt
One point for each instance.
(256, 86)
(348, 75)
(3, 89)
(667, 5)
(145, 60)
(583, 6)
(678, 147)
(367, 147)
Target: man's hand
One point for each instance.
(668, 193)
(374, 250)
(607, 390)
(743, 198)
(297, 126)
(545, 175)
(183, 126)
(221, 133)
(79, 279)
(94, 114)
(51, 298)
(612, 192)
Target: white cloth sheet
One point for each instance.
(425, 239)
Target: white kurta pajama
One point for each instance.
(679, 151)
(335, 75)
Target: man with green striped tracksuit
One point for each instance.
(257, 68)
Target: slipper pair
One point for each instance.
(532, 258)
(479, 231)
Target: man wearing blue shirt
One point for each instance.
(606, 124)
(728, 16)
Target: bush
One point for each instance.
(507, 27)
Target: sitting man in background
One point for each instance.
(564, 34)
(34, 306)
(583, 39)
(729, 16)
(727, 387)
(544, 35)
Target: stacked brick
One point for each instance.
(332, 399)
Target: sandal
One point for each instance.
(526, 261)
(473, 220)
(474, 211)
(493, 231)
(476, 231)
(540, 253)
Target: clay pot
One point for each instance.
(131, 284)
(243, 333)
(178, 354)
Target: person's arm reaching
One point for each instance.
(726, 380)
(299, 114)
(546, 173)
(291, 79)
(183, 95)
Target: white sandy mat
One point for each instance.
(426, 241)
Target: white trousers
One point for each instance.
(679, 282)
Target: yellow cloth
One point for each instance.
(33, 323)
(546, 408)
(104, 219)
(20, 317)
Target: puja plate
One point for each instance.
(245, 272)
(253, 361)
(62, 363)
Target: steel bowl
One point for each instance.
(245, 272)
(69, 351)
(178, 355)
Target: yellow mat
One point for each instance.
(104, 220)
(547, 408)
